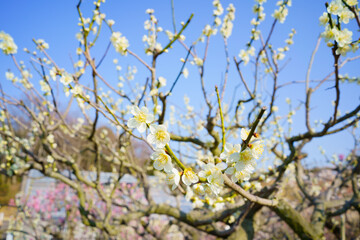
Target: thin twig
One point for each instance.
(222, 119)
(252, 130)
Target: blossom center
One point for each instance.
(162, 159)
(140, 117)
(245, 156)
(160, 135)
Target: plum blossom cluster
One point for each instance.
(242, 163)
(258, 9)
(208, 182)
(277, 54)
(239, 164)
(150, 40)
(226, 28)
(7, 44)
(159, 137)
(245, 55)
(282, 12)
(219, 10)
(42, 44)
(342, 37)
(119, 42)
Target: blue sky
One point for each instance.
(56, 22)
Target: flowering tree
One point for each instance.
(209, 155)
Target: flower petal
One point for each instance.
(132, 123)
(142, 127)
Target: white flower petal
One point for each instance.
(142, 127)
(132, 123)
(230, 170)
(149, 118)
(221, 165)
(151, 138)
(158, 165)
(144, 109)
(186, 181)
(135, 110)
(168, 167)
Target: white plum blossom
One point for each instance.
(79, 64)
(66, 78)
(242, 164)
(161, 160)
(226, 28)
(149, 11)
(346, 15)
(352, 2)
(198, 61)
(189, 177)
(257, 148)
(239, 173)
(26, 74)
(244, 133)
(158, 135)
(151, 44)
(343, 50)
(119, 42)
(173, 178)
(219, 9)
(208, 31)
(51, 139)
(111, 22)
(255, 144)
(42, 44)
(335, 7)
(229, 150)
(185, 72)
(324, 19)
(198, 189)
(49, 159)
(251, 51)
(280, 14)
(255, 34)
(147, 25)
(343, 37)
(246, 158)
(217, 21)
(7, 44)
(45, 87)
(212, 190)
(169, 34)
(289, 41)
(78, 51)
(9, 75)
(329, 33)
(162, 81)
(76, 90)
(245, 55)
(333, 31)
(212, 172)
(278, 56)
(140, 119)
